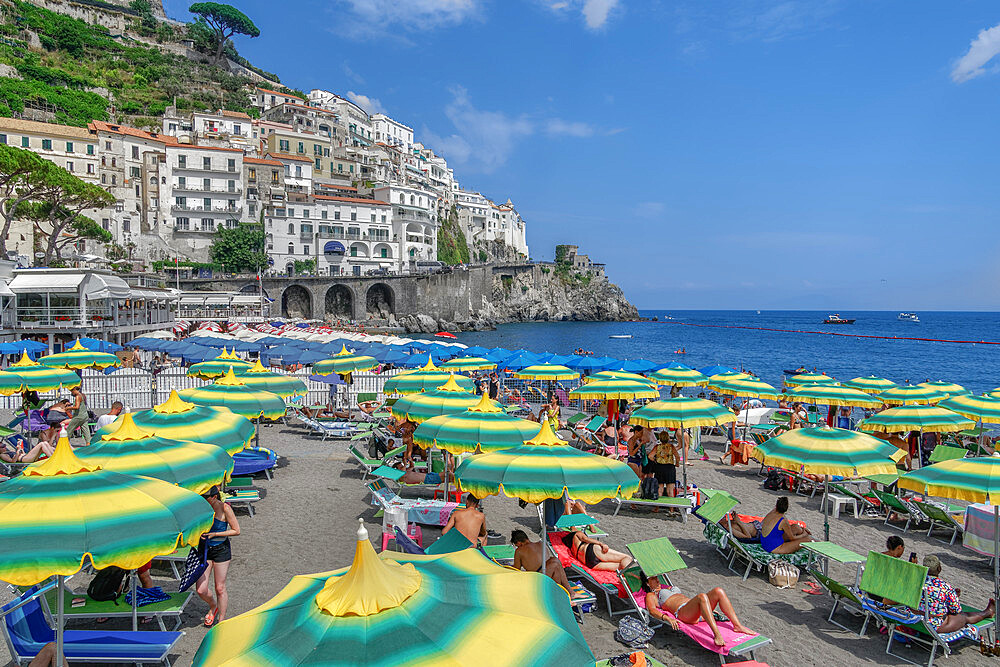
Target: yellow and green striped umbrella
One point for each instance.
(37, 377)
(681, 412)
(748, 387)
(468, 364)
(809, 378)
(449, 398)
(393, 609)
(728, 376)
(215, 368)
(924, 418)
(79, 357)
(195, 466)
(546, 467)
(485, 427)
(949, 388)
(615, 389)
(10, 383)
(344, 362)
(230, 392)
(679, 377)
(179, 420)
(553, 372)
(985, 409)
(912, 395)
(259, 377)
(62, 511)
(829, 451)
(822, 394)
(870, 384)
(617, 375)
(423, 379)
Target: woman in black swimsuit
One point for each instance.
(595, 554)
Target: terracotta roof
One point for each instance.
(285, 156)
(234, 114)
(353, 200)
(206, 148)
(275, 92)
(101, 126)
(257, 160)
(46, 128)
(306, 106)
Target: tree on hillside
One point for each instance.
(58, 218)
(239, 249)
(24, 178)
(223, 21)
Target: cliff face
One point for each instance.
(548, 296)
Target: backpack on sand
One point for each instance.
(782, 574)
(633, 633)
(774, 481)
(649, 489)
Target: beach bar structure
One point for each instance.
(65, 304)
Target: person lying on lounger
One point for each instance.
(778, 535)
(689, 610)
(528, 557)
(741, 530)
(416, 477)
(595, 554)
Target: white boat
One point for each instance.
(621, 336)
(908, 317)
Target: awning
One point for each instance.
(246, 299)
(101, 286)
(5, 289)
(150, 295)
(61, 283)
(334, 247)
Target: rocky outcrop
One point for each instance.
(557, 298)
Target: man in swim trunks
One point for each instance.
(469, 521)
(689, 610)
(528, 557)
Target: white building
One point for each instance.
(414, 222)
(394, 133)
(204, 187)
(228, 129)
(358, 122)
(265, 98)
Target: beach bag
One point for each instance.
(649, 489)
(782, 574)
(195, 565)
(107, 584)
(774, 481)
(633, 633)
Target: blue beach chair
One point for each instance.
(26, 631)
(253, 460)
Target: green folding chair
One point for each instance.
(654, 558)
(940, 518)
(842, 595)
(946, 453)
(894, 505)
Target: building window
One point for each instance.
(291, 228)
(291, 212)
(180, 201)
(385, 252)
(134, 172)
(340, 167)
(135, 152)
(373, 217)
(305, 213)
(274, 176)
(317, 149)
(126, 225)
(182, 161)
(319, 164)
(336, 214)
(46, 144)
(106, 223)
(25, 142)
(90, 169)
(181, 223)
(236, 129)
(181, 182)
(206, 163)
(383, 217)
(231, 164)
(305, 250)
(252, 174)
(322, 214)
(3, 139)
(69, 167)
(107, 145)
(291, 248)
(283, 145)
(354, 215)
(302, 147)
(114, 179)
(69, 146)
(104, 178)
(298, 171)
(354, 251)
(350, 168)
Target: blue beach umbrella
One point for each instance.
(561, 360)
(475, 351)
(709, 371)
(95, 345)
(588, 364)
(391, 356)
(638, 365)
(146, 343)
(305, 357)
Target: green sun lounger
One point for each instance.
(843, 596)
(172, 608)
(681, 503)
(652, 662)
(940, 518)
(369, 464)
(894, 505)
(902, 581)
(946, 453)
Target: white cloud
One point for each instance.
(595, 12)
(983, 49)
(772, 21)
(560, 127)
(483, 139)
(352, 75)
(369, 104)
(379, 18)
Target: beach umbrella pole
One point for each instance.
(135, 610)
(996, 552)
(684, 463)
(60, 617)
(826, 508)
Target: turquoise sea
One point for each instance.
(768, 353)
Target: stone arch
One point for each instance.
(296, 301)
(382, 251)
(339, 301)
(380, 300)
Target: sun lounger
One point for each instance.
(172, 608)
(893, 505)
(946, 453)
(602, 581)
(658, 558)
(418, 510)
(338, 429)
(843, 596)
(902, 581)
(940, 518)
(369, 464)
(254, 460)
(242, 498)
(682, 503)
(754, 555)
(26, 631)
(864, 505)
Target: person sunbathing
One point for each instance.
(469, 521)
(741, 530)
(528, 557)
(689, 610)
(778, 535)
(595, 554)
(412, 476)
(17, 454)
(943, 606)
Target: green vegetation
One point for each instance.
(81, 61)
(452, 248)
(303, 266)
(220, 22)
(239, 249)
(160, 264)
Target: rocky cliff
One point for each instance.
(537, 295)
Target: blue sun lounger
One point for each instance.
(253, 460)
(26, 631)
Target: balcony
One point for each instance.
(202, 169)
(200, 187)
(188, 208)
(332, 234)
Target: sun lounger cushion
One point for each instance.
(702, 634)
(253, 460)
(605, 578)
(718, 537)
(899, 613)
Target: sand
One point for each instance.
(307, 520)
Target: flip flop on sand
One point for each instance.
(812, 589)
(210, 617)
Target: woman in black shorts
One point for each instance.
(663, 460)
(224, 526)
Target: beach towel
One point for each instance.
(605, 578)
(433, 512)
(702, 633)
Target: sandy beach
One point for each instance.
(306, 521)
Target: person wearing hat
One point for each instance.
(943, 606)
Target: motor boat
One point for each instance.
(620, 336)
(908, 317)
(837, 319)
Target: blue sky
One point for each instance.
(826, 154)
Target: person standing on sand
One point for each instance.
(219, 555)
(468, 521)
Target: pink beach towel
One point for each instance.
(701, 633)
